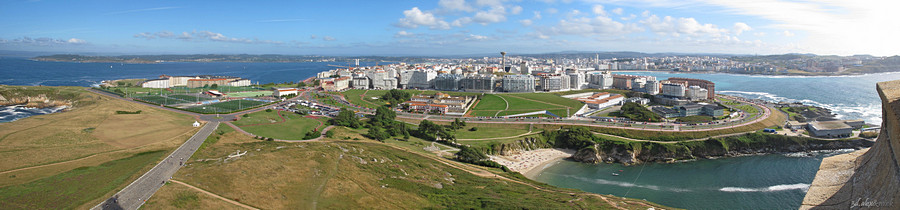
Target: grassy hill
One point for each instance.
(344, 174)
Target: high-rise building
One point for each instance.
(673, 89)
(696, 93)
(576, 81)
(523, 68)
(555, 82)
(447, 82)
(478, 83)
(705, 84)
(518, 83)
(422, 80)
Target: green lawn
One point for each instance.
(747, 108)
(161, 100)
(294, 127)
(249, 94)
(74, 188)
(489, 131)
(189, 98)
(490, 102)
(225, 107)
(353, 96)
(551, 98)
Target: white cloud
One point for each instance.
(76, 41)
(461, 22)
(515, 10)
(413, 18)
(44, 41)
(598, 10)
(740, 28)
(203, 35)
(599, 25)
(313, 36)
(787, 33)
(473, 37)
(680, 26)
(537, 15)
(496, 14)
(759, 34)
(525, 22)
(490, 3)
(552, 11)
(617, 11)
(403, 34)
(630, 17)
(328, 38)
(455, 5)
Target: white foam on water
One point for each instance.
(871, 112)
(776, 188)
(626, 184)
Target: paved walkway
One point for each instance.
(139, 191)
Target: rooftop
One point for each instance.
(829, 125)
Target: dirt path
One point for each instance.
(504, 137)
(214, 195)
(507, 105)
(318, 193)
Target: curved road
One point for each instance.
(136, 193)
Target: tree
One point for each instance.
(457, 124)
(301, 85)
(316, 83)
(346, 118)
(329, 133)
(377, 133)
(214, 86)
(469, 155)
(383, 116)
(396, 97)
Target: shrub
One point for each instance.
(246, 115)
(473, 129)
(268, 110)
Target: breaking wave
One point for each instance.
(13, 113)
(782, 187)
(626, 184)
(870, 112)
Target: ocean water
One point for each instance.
(751, 182)
(19, 71)
(13, 113)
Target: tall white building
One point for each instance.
(422, 80)
(576, 81)
(518, 83)
(696, 93)
(555, 83)
(673, 89)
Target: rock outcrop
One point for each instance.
(866, 179)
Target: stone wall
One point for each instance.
(865, 179)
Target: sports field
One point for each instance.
(249, 94)
(363, 98)
(225, 107)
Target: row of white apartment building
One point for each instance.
(166, 81)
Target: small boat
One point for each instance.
(615, 174)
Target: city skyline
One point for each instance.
(450, 27)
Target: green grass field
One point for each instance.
(249, 94)
(525, 102)
(489, 131)
(225, 107)
(189, 98)
(747, 108)
(293, 128)
(353, 96)
(161, 100)
(74, 188)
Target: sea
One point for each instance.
(777, 181)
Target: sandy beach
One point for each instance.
(531, 163)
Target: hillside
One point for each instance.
(348, 174)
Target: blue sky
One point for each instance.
(451, 27)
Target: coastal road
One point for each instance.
(139, 191)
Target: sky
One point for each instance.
(451, 27)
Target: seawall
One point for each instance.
(866, 179)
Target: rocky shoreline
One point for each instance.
(628, 156)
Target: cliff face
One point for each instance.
(511, 148)
(866, 179)
(749, 144)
